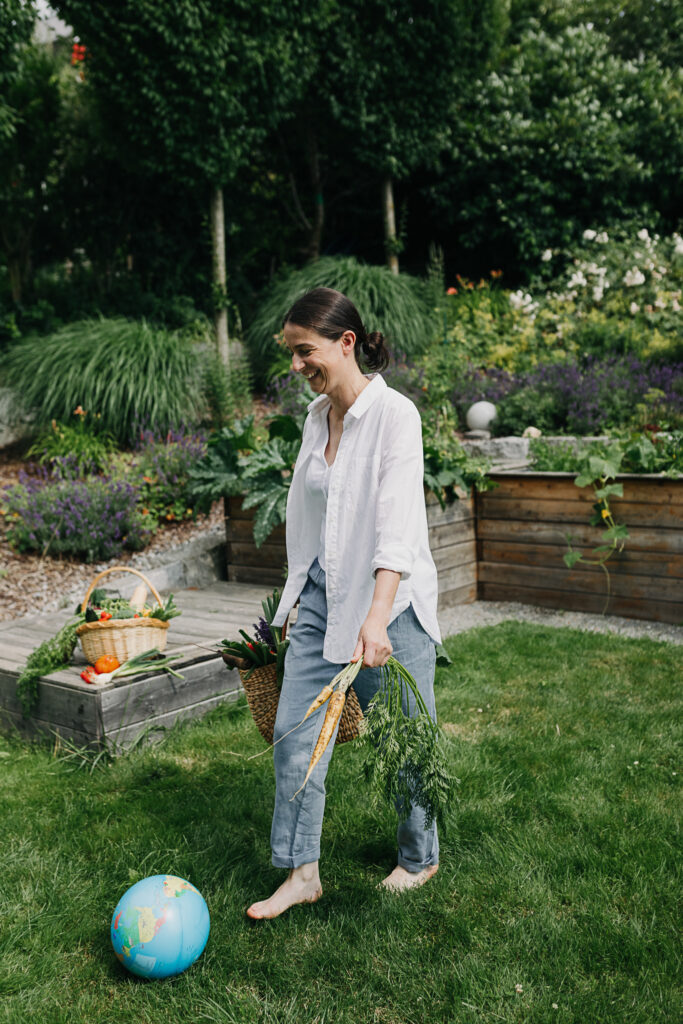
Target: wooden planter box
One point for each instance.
(114, 715)
(521, 528)
(451, 539)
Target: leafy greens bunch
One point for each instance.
(403, 758)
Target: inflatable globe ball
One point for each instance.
(160, 926)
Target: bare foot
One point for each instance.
(300, 887)
(399, 880)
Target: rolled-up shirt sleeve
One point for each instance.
(400, 493)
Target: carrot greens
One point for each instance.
(403, 758)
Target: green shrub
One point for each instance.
(397, 305)
(128, 373)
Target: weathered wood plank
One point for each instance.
(465, 594)
(125, 736)
(31, 728)
(637, 562)
(157, 695)
(58, 703)
(460, 576)
(269, 555)
(585, 578)
(639, 539)
(456, 512)
(241, 531)
(251, 573)
(665, 516)
(452, 555)
(580, 601)
(557, 487)
(451, 533)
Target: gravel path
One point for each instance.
(489, 613)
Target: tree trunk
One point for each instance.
(14, 267)
(17, 249)
(319, 211)
(390, 240)
(219, 277)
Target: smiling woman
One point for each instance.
(359, 561)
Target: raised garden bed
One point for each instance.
(521, 537)
(451, 539)
(114, 716)
(507, 544)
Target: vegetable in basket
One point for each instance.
(265, 647)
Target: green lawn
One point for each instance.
(559, 875)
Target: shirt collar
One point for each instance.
(365, 399)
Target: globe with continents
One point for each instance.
(160, 926)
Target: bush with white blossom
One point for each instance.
(625, 285)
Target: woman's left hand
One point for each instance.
(373, 643)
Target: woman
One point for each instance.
(359, 560)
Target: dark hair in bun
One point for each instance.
(329, 313)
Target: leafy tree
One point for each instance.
(562, 135)
(390, 75)
(28, 160)
(16, 23)
(189, 89)
(636, 29)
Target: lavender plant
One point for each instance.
(578, 397)
(94, 519)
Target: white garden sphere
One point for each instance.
(481, 415)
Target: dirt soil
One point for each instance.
(30, 583)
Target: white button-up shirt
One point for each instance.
(376, 516)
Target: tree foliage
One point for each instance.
(563, 134)
(16, 22)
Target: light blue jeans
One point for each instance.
(297, 824)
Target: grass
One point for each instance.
(560, 873)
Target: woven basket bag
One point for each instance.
(124, 638)
(263, 695)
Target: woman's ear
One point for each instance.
(348, 340)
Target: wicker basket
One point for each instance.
(263, 695)
(124, 638)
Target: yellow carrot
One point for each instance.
(332, 716)
(324, 695)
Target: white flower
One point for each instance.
(633, 277)
(660, 303)
(633, 308)
(643, 234)
(547, 255)
(531, 432)
(678, 245)
(577, 278)
(518, 988)
(523, 301)
(597, 294)
(602, 237)
(589, 235)
(675, 306)
(555, 1006)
